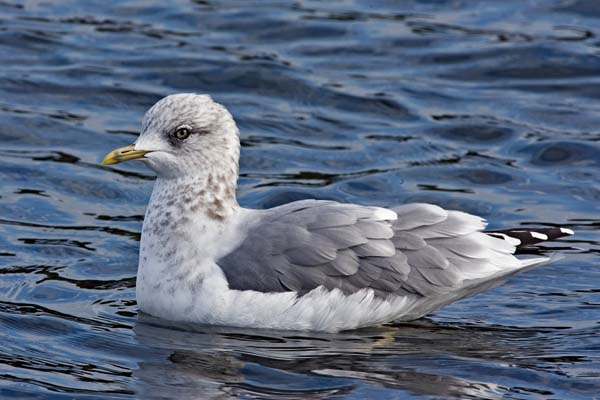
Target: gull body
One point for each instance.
(308, 265)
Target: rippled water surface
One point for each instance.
(490, 107)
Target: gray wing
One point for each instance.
(417, 249)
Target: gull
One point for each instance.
(307, 265)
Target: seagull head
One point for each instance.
(184, 135)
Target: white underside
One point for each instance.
(179, 280)
(319, 310)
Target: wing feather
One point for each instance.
(346, 264)
(417, 250)
(376, 248)
(344, 237)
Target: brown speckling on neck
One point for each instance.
(215, 215)
(215, 196)
(212, 194)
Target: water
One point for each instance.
(489, 107)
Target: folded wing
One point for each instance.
(415, 249)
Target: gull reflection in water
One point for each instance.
(423, 358)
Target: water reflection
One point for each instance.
(424, 358)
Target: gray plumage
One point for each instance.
(299, 246)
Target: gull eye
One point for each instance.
(182, 133)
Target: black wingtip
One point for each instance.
(528, 237)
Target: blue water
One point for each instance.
(490, 107)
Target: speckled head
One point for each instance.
(188, 134)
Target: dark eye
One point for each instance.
(182, 133)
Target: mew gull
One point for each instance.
(306, 265)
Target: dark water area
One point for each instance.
(490, 107)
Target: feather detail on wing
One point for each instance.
(419, 250)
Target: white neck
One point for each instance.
(197, 210)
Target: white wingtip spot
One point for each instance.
(538, 235)
(567, 231)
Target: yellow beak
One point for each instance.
(123, 154)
